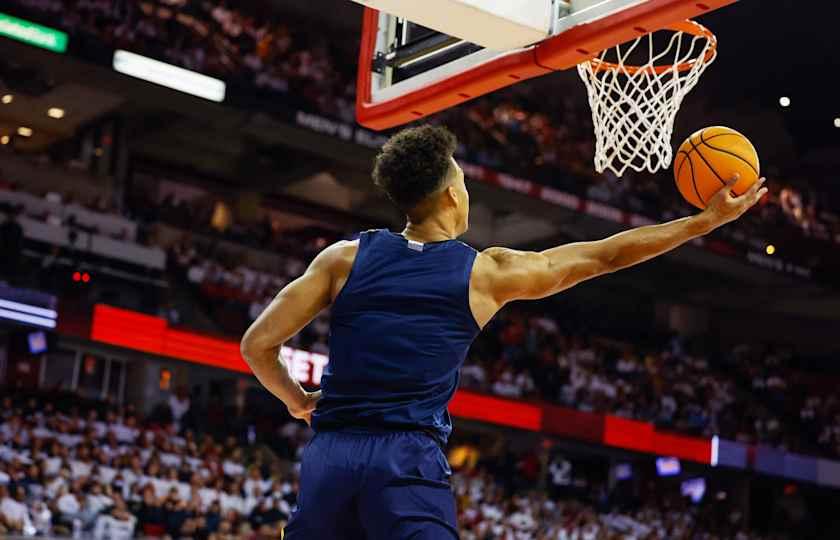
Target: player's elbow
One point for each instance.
(249, 346)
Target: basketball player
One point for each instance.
(404, 310)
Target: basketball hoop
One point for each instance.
(634, 106)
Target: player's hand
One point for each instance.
(303, 411)
(725, 207)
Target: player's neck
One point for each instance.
(428, 231)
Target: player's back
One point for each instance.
(400, 329)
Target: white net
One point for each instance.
(634, 107)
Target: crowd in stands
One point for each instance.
(738, 395)
(68, 466)
(93, 216)
(486, 513)
(95, 470)
(251, 47)
(529, 129)
(746, 394)
(235, 293)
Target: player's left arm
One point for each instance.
(292, 309)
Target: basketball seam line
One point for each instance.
(694, 182)
(733, 154)
(693, 148)
(709, 165)
(679, 169)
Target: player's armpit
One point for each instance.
(292, 309)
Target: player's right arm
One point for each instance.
(502, 275)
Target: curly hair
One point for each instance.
(413, 164)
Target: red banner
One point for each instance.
(153, 335)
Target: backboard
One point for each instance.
(408, 71)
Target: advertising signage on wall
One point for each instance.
(28, 307)
(146, 333)
(153, 335)
(33, 34)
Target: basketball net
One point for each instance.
(634, 107)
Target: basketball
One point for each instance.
(710, 157)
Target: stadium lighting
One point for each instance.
(715, 451)
(55, 112)
(837, 122)
(169, 76)
(24, 131)
(784, 101)
(771, 249)
(7, 98)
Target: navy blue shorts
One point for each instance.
(373, 486)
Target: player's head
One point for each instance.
(417, 171)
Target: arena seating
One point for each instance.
(72, 466)
(528, 130)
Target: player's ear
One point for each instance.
(452, 196)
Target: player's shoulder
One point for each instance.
(343, 249)
(494, 256)
(488, 263)
(338, 257)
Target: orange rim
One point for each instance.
(689, 27)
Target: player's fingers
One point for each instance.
(750, 193)
(728, 184)
(754, 188)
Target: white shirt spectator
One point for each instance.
(525, 382)
(505, 386)
(599, 384)
(473, 375)
(208, 496)
(106, 474)
(124, 433)
(52, 465)
(263, 485)
(80, 469)
(232, 501)
(179, 408)
(68, 504)
(41, 518)
(169, 459)
(197, 273)
(160, 485)
(522, 521)
(69, 440)
(232, 468)
(625, 366)
(110, 528)
(13, 511)
(97, 503)
(41, 432)
(183, 490)
(100, 429)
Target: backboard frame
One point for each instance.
(582, 36)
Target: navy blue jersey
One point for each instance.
(400, 330)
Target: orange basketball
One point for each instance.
(710, 157)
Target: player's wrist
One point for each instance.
(704, 222)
